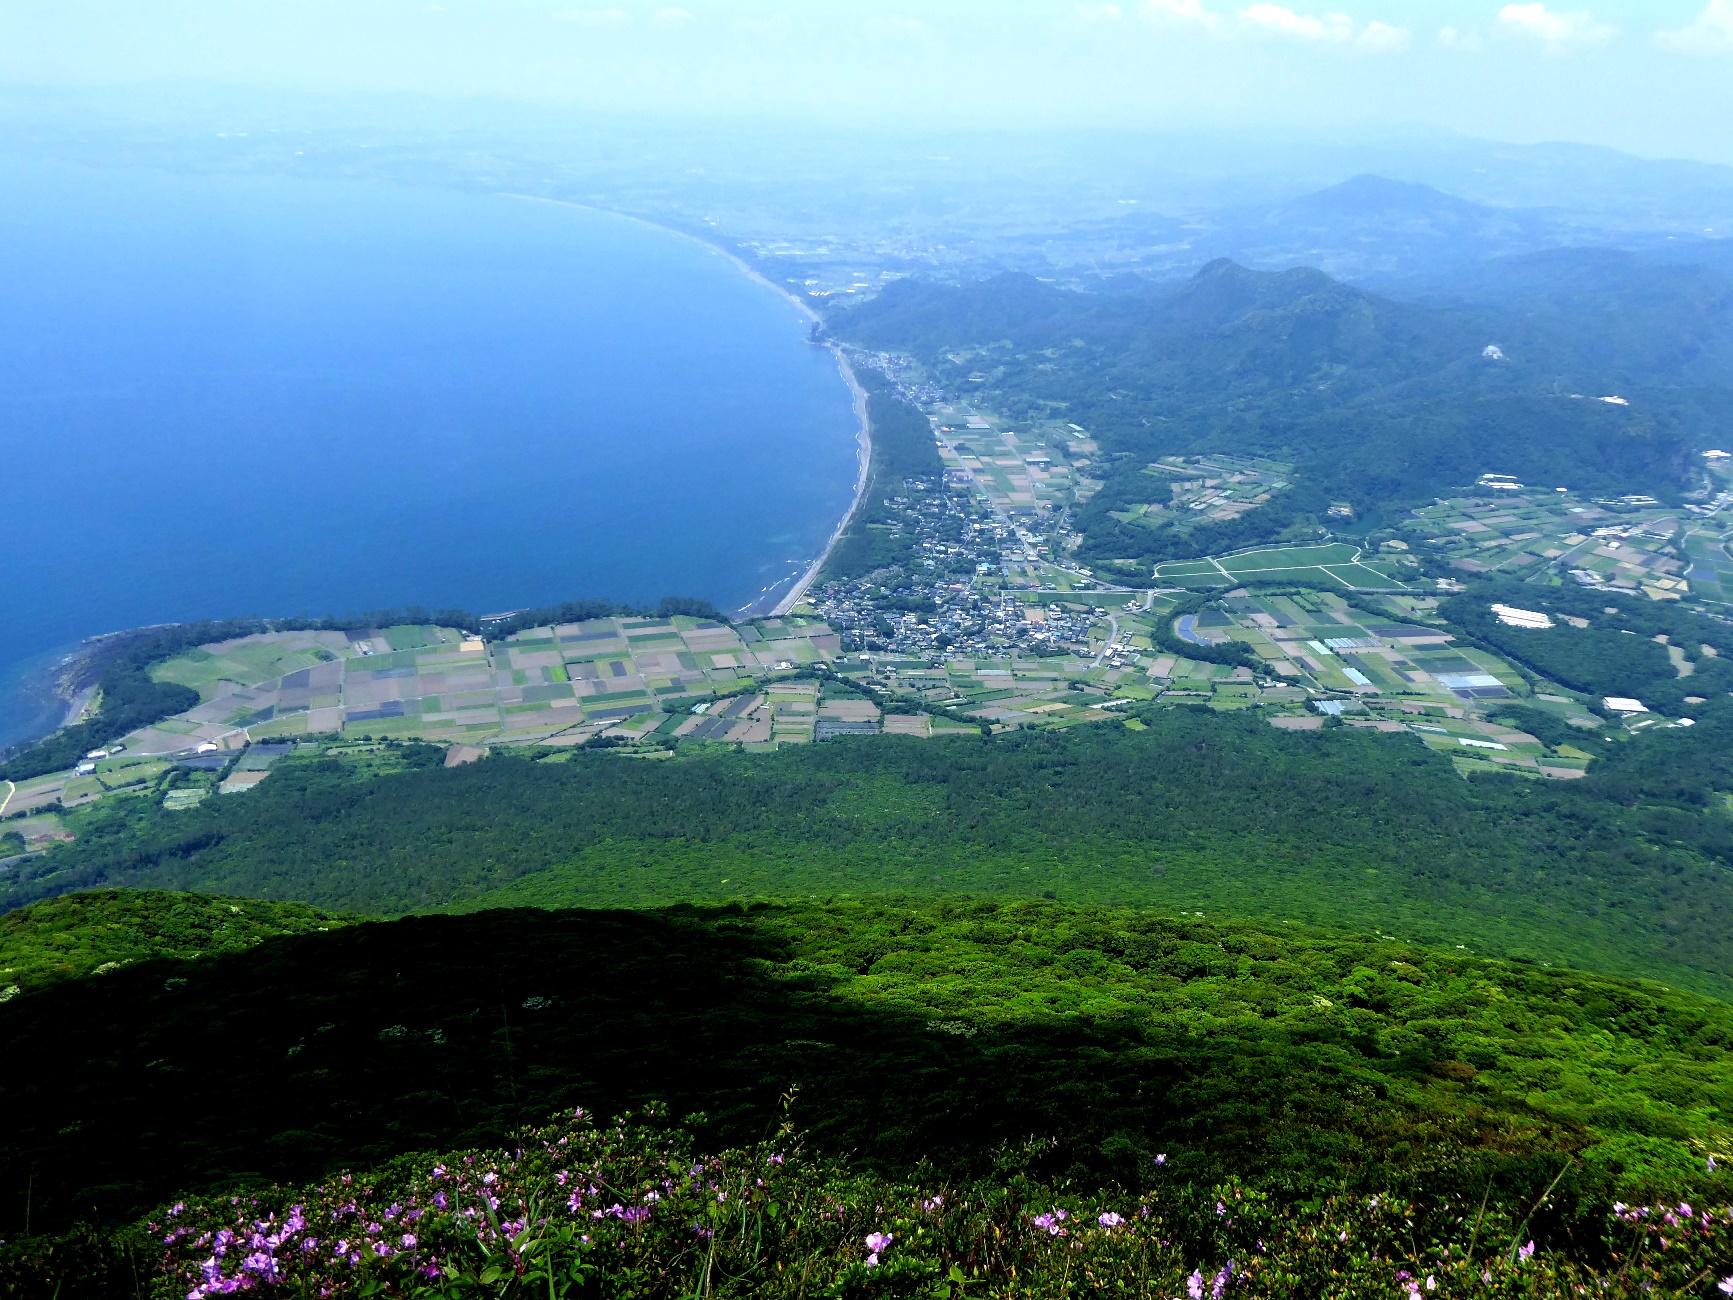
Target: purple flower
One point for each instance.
(1110, 1220)
(1725, 1285)
(1161, 1159)
(409, 1241)
(1526, 1252)
(876, 1243)
(1194, 1285)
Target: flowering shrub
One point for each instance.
(630, 1209)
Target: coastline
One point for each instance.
(62, 682)
(863, 425)
(864, 459)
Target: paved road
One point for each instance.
(1112, 636)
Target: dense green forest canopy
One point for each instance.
(1624, 317)
(101, 929)
(1376, 402)
(1195, 810)
(1606, 643)
(1092, 1038)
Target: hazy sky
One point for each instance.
(1651, 76)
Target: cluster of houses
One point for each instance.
(938, 605)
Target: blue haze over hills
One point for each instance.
(228, 396)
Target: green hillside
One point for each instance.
(913, 1031)
(640, 1205)
(104, 929)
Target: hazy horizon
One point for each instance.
(1645, 78)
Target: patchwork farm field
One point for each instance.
(1384, 669)
(1622, 545)
(553, 685)
(1709, 550)
(1020, 472)
(1206, 489)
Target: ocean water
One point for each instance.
(241, 396)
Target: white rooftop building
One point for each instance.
(1511, 616)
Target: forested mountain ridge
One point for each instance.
(1377, 402)
(1627, 317)
(1300, 318)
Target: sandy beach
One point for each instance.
(864, 459)
(863, 435)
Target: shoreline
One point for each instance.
(863, 468)
(761, 605)
(64, 681)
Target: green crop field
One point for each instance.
(1336, 562)
(1711, 572)
(1276, 557)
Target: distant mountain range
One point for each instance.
(1372, 227)
(1399, 235)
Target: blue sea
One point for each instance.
(240, 396)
